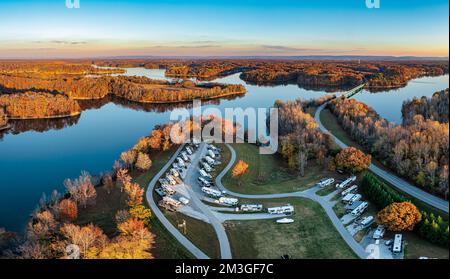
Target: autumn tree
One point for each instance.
(68, 210)
(129, 157)
(239, 170)
(135, 194)
(352, 160)
(143, 162)
(141, 213)
(122, 215)
(81, 189)
(398, 217)
(107, 181)
(85, 237)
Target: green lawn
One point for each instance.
(268, 174)
(417, 247)
(327, 190)
(312, 236)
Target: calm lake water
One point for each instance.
(42, 154)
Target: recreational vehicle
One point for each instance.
(251, 207)
(211, 192)
(379, 232)
(171, 201)
(360, 209)
(228, 201)
(207, 167)
(211, 154)
(366, 221)
(174, 172)
(355, 197)
(398, 243)
(325, 182)
(185, 156)
(181, 162)
(183, 200)
(204, 182)
(189, 150)
(168, 190)
(350, 190)
(346, 182)
(287, 209)
(347, 198)
(171, 180)
(209, 160)
(205, 174)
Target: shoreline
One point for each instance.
(45, 117)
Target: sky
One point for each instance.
(48, 29)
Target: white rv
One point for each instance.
(174, 172)
(350, 190)
(398, 243)
(251, 207)
(207, 167)
(211, 154)
(189, 150)
(346, 182)
(204, 174)
(379, 232)
(171, 180)
(287, 209)
(185, 157)
(183, 200)
(204, 182)
(209, 160)
(171, 201)
(355, 197)
(181, 162)
(347, 198)
(168, 190)
(366, 221)
(211, 192)
(360, 209)
(228, 201)
(326, 182)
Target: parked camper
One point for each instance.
(379, 232)
(204, 182)
(347, 198)
(211, 192)
(360, 209)
(251, 207)
(160, 192)
(346, 182)
(366, 221)
(171, 201)
(207, 167)
(228, 201)
(189, 150)
(174, 172)
(181, 162)
(355, 197)
(211, 154)
(203, 173)
(325, 182)
(171, 180)
(287, 209)
(398, 243)
(209, 160)
(350, 190)
(185, 156)
(168, 190)
(183, 200)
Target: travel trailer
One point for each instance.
(228, 201)
(209, 160)
(360, 209)
(346, 182)
(183, 200)
(325, 182)
(211, 192)
(379, 232)
(207, 167)
(204, 182)
(185, 156)
(171, 201)
(355, 197)
(398, 243)
(174, 172)
(287, 209)
(211, 154)
(251, 207)
(181, 162)
(347, 198)
(205, 174)
(285, 221)
(189, 150)
(366, 221)
(350, 190)
(168, 190)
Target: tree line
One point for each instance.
(433, 108)
(431, 227)
(418, 151)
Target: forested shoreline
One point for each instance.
(418, 151)
(434, 108)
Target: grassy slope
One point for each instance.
(268, 173)
(312, 235)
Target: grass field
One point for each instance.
(326, 190)
(312, 236)
(268, 174)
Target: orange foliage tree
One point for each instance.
(68, 210)
(353, 160)
(402, 216)
(239, 170)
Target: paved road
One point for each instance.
(397, 182)
(166, 223)
(326, 204)
(191, 180)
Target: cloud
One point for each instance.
(61, 42)
(289, 49)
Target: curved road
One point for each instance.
(309, 194)
(396, 181)
(155, 209)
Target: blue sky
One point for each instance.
(38, 28)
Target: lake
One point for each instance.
(38, 155)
